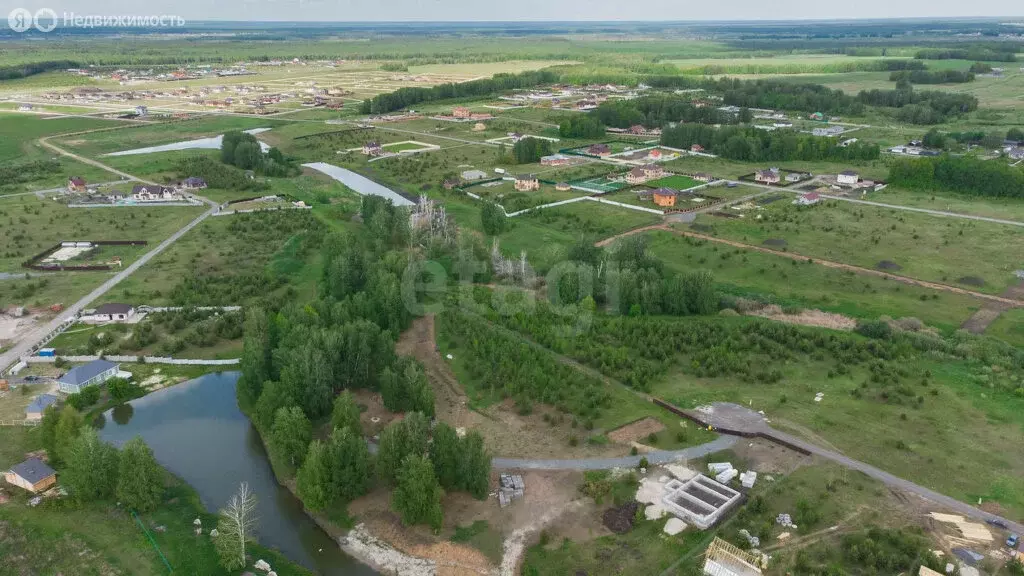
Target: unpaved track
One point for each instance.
(1012, 302)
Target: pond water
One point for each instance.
(197, 432)
(213, 143)
(359, 183)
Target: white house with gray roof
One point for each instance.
(92, 374)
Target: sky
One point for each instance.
(519, 10)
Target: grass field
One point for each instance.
(1009, 327)
(676, 181)
(1002, 208)
(404, 146)
(978, 255)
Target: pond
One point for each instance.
(197, 432)
(213, 143)
(359, 183)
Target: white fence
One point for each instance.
(19, 422)
(146, 359)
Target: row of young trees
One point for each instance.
(752, 145)
(581, 126)
(405, 97)
(959, 174)
(920, 107)
(1007, 53)
(935, 138)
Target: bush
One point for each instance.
(878, 329)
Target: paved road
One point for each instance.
(656, 457)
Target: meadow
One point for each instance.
(977, 255)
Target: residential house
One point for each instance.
(809, 199)
(665, 197)
(527, 183)
(653, 171)
(110, 313)
(793, 177)
(34, 411)
(848, 177)
(555, 160)
(76, 184)
(515, 136)
(696, 148)
(151, 193)
(32, 475)
(636, 176)
(193, 182)
(829, 131)
(563, 187)
(654, 154)
(599, 150)
(92, 374)
(461, 112)
(702, 177)
(451, 183)
(767, 177)
(372, 149)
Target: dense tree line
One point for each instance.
(91, 470)
(935, 138)
(405, 97)
(920, 107)
(301, 362)
(980, 68)
(959, 174)
(1007, 54)
(31, 69)
(243, 151)
(581, 126)
(656, 111)
(753, 145)
(530, 150)
(217, 175)
(933, 76)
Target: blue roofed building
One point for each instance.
(92, 374)
(34, 411)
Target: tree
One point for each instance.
(248, 155)
(445, 452)
(48, 432)
(400, 439)
(273, 397)
(290, 435)
(1015, 134)
(492, 219)
(121, 389)
(992, 140)
(227, 146)
(314, 478)
(90, 471)
(256, 362)
(345, 414)
(139, 477)
(699, 292)
(474, 466)
(406, 388)
(351, 471)
(68, 427)
(529, 150)
(236, 526)
(417, 497)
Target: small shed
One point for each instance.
(32, 475)
(34, 411)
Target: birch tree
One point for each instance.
(237, 524)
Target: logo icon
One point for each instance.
(20, 19)
(45, 20)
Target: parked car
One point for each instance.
(1013, 541)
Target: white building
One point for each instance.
(848, 177)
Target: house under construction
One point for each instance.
(724, 559)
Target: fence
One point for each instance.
(19, 422)
(146, 359)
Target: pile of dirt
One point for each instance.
(971, 281)
(888, 265)
(635, 431)
(775, 243)
(620, 518)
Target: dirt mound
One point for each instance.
(636, 431)
(888, 265)
(775, 243)
(971, 281)
(620, 519)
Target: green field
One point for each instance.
(976, 255)
(775, 279)
(676, 182)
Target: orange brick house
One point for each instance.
(665, 197)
